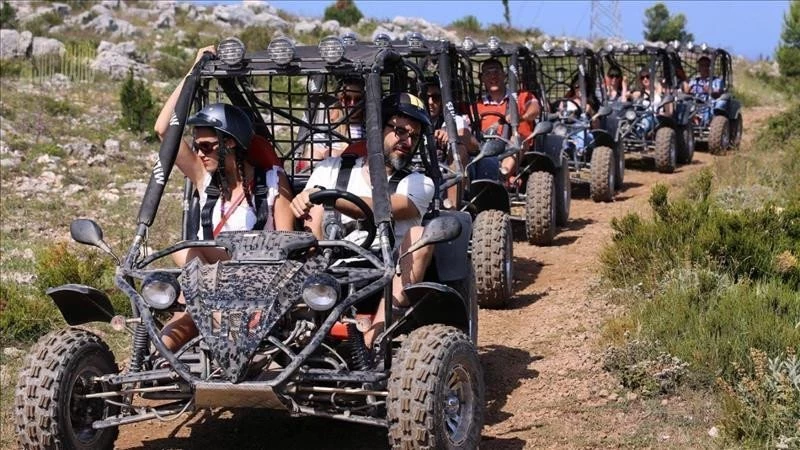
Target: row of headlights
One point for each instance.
(160, 291)
(675, 45)
(281, 50)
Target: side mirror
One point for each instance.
(667, 100)
(88, 232)
(493, 147)
(602, 112)
(440, 229)
(544, 127)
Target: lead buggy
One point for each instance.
(280, 322)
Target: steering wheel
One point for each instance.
(328, 197)
(502, 118)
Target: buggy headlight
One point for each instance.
(320, 292)
(331, 49)
(566, 46)
(689, 45)
(415, 40)
(560, 129)
(160, 290)
(626, 47)
(350, 40)
(703, 46)
(676, 44)
(609, 48)
(382, 40)
(547, 46)
(493, 43)
(230, 51)
(468, 44)
(281, 50)
(640, 46)
(630, 115)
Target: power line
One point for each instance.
(606, 20)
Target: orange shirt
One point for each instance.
(488, 105)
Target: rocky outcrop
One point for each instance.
(15, 44)
(47, 46)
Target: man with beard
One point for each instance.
(404, 121)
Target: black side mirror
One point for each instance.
(88, 232)
(544, 127)
(440, 229)
(493, 147)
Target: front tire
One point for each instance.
(619, 157)
(492, 256)
(602, 185)
(48, 412)
(540, 208)
(564, 192)
(436, 391)
(686, 145)
(718, 135)
(665, 153)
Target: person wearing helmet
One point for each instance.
(218, 162)
(405, 121)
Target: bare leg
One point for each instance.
(412, 270)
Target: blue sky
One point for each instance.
(749, 28)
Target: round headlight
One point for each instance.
(703, 46)
(160, 290)
(676, 44)
(566, 46)
(640, 46)
(493, 43)
(468, 44)
(630, 115)
(230, 51)
(626, 47)
(690, 45)
(609, 47)
(382, 40)
(320, 292)
(415, 40)
(547, 46)
(281, 50)
(350, 40)
(331, 49)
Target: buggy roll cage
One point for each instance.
(370, 62)
(583, 63)
(632, 60)
(721, 62)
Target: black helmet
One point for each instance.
(407, 105)
(226, 119)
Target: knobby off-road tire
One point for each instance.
(718, 135)
(601, 188)
(436, 391)
(492, 257)
(60, 366)
(686, 145)
(737, 128)
(540, 208)
(666, 152)
(564, 194)
(619, 158)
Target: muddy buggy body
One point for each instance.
(587, 140)
(280, 321)
(661, 129)
(719, 123)
(538, 186)
(479, 190)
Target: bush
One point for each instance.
(256, 38)
(138, 107)
(467, 24)
(40, 25)
(25, 315)
(8, 16)
(345, 12)
(173, 62)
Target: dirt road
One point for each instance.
(542, 359)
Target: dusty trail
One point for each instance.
(541, 357)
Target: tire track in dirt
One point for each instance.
(541, 356)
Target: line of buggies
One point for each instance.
(280, 322)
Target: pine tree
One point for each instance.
(659, 26)
(345, 12)
(788, 53)
(138, 107)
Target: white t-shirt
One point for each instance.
(416, 186)
(244, 217)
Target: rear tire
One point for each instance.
(603, 180)
(665, 153)
(492, 258)
(540, 208)
(718, 135)
(619, 158)
(436, 391)
(46, 411)
(686, 145)
(564, 193)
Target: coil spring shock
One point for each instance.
(140, 345)
(359, 355)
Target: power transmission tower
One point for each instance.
(606, 21)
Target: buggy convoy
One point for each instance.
(280, 322)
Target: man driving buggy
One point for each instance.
(404, 121)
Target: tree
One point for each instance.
(138, 107)
(507, 13)
(659, 26)
(788, 53)
(7, 16)
(343, 11)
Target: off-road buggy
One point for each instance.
(581, 131)
(718, 123)
(280, 322)
(491, 246)
(654, 124)
(541, 183)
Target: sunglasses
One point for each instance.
(403, 133)
(206, 147)
(644, 77)
(436, 97)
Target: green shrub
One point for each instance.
(25, 315)
(40, 25)
(55, 107)
(256, 38)
(467, 24)
(138, 106)
(8, 16)
(15, 68)
(345, 12)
